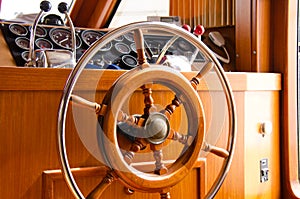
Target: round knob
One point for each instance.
(199, 30)
(186, 27)
(45, 6)
(62, 7)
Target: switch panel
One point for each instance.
(264, 170)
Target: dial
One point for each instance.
(63, 38)
(184, 45)
(18, 29)
(25, 55)
(120, 38)
(22, 42)
(129, 37)
(39, 31)
(122, 48)
(106, 47)
(90, 36)
(42, 43)
(128, 62)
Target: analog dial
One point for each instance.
(18, 29)
(122, 48)
(63, 38)
(39, 31)
(22, 42)
(90, 36)
(42, 43)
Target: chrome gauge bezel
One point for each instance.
(120, 48)
(22, 45)
(25, 55)
(12, 29)
(52, 34)
(37, 43)
(39, 31)
(94, 35)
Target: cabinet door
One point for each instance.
(253, 35)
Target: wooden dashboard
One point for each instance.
(30, 165)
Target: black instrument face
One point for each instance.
(42, 43)
(25, 55)
(106, 47)
(122, 48)
(63, 38)
(22, 42)
(39, 31)
(89, 36)
(18, 29)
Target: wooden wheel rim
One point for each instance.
(125, 87)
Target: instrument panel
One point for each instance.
(119, 53)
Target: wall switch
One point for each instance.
(264, 170)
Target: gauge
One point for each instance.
(129, 37)
(42, 43)
(18, 29)
(22, 42)
(184, 45)
(120, 38)
(39, 31)
(25, 55)
(128, 62)
(90, 36)
(133, 47)
(106, 47)
(122, 48)
(63, 38)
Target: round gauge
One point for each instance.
(122, 48)
(22, 42)
(128, 62)
(63, 38)
(39, 31)
(90, 36)
(129, 37)
(120, 38)
(42, 43)
(25, 55)
(106, 47)
(184, 45)
(133, 47)
(18, 29)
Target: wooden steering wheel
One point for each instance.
(121, 135)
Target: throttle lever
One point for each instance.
(63, 8)
(45, 6)
(52, 58)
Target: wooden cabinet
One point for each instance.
(29, 100)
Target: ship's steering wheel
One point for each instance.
(124, 138)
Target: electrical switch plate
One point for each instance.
(264, 170)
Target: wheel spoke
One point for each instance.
(99, 109)
(196, 80)
(216, 150)
(100, 188)
(158, 156)
(170, 108)
(148, 99)
(140, 48)
(165, 48)
(183, 139)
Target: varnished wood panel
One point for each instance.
(29, 101)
